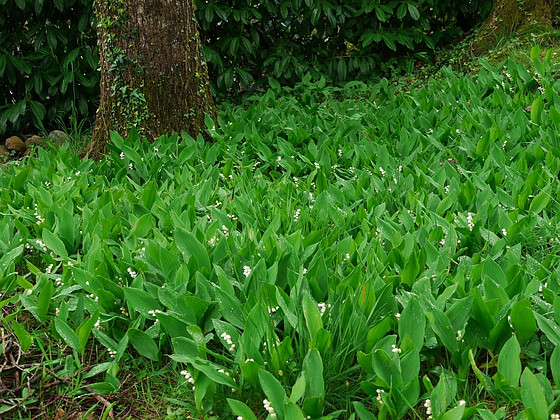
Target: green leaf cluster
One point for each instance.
(383, 245)
(247, 42)
(49, 58)
(48, 63)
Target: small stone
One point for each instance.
(34, 140)
(58, 137)
(15, 143)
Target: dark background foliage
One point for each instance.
(249, 40)
(48, 63)
(49, 59)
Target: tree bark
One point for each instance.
(153, 74)
(513, 16)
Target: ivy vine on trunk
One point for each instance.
(153, 74)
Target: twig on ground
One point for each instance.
(102, 400)
(13, 407)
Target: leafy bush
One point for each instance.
(337, 257)
(49, 57)
(48, 63)
(343, 40)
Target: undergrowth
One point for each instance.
(360, 252)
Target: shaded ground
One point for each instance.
(45, 384)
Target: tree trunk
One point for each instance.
(513, 16)
(153, 74)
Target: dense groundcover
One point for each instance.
(364, 252)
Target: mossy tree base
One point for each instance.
(153, 74)
(512, 16)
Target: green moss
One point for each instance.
(511, 17)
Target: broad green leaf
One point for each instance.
(497, 154)
(554, 115)
(142, 226)
(313, 372)
(413, 10)
(290, 316)
(149, 195)
(443, 328)
(274, 84)
(250, 372)
(196, 304)
(445, 204)
(540, 201)
(143, 343)
(98, 369)
(555, 365)
(401, 11)
(44, 300)
(389, 40)
(509, 363)
(380, 14)
(292, 411)
(453, 414)
(413, 323)
(24, 338)
(173, 325)
(198, 337)
(8, 257)
(482, 144)
(67, 334)
(65, 224)
(484, 379)
(273, 390)
(241, 410)
(535, 52)
(362, 412)
(411, 270)
(312, 315)
(492, 270)
(116, 139)
(230, 307)
(38, 110)
(532, 394)
(539, 66)
(213, 371)
(385, 367)
(410, 364)
(549, 328)
(140, 300)
(322, 341)
(54, 243)
(313, 406)
(486, 414)
(184, 345)
(21, 178)
(443, 394)
(103, 388)
(523, 320)
(84, 330)
(298, 390)
(536, 110)
(188, 244)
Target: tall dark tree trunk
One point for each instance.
(153, 74)
(513, 16)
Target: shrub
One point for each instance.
(49, 58)
(344, 40)
(48, 63)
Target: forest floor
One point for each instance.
(364, 251)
